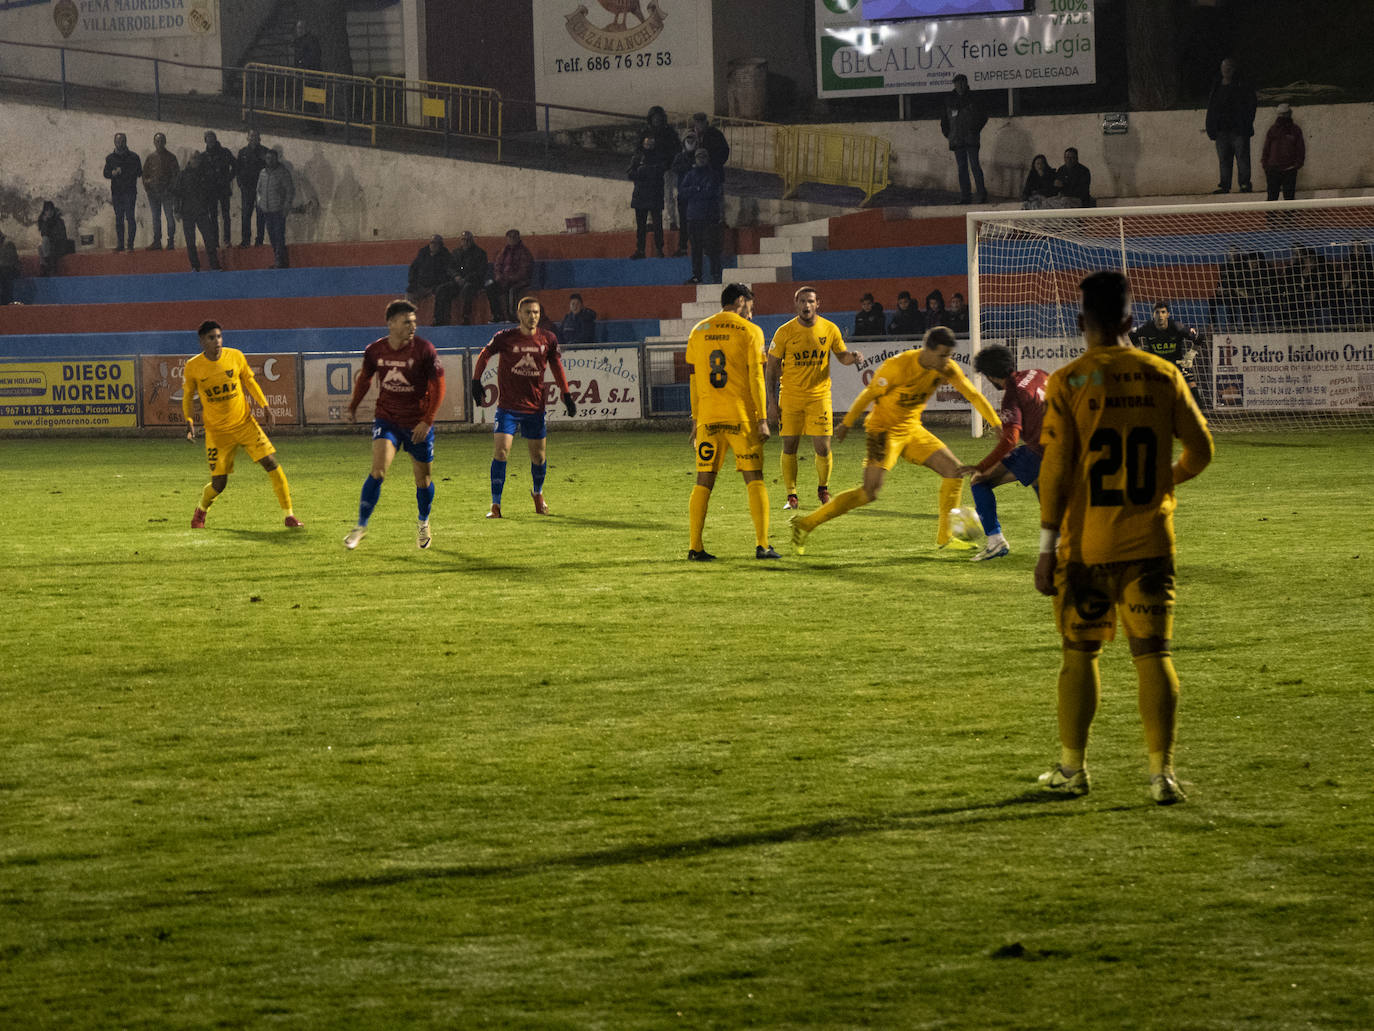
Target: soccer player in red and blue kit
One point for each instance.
(522, 354)
(410, 390)
(1017, 453)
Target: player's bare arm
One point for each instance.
(191, 432)
(419, 433)
(850, 357)
(841, 431)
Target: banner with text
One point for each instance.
(1056, 46)
(161, 389)
(78, 394)
(88, 21)
(587, 57)
(1278, 372)
(604, 381)
(328, 383)
(848, 381)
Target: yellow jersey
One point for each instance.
(1106, 480)
(804, 352)
(725, 353)
(221, 385)
(901, 388)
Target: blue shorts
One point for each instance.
(530, 424)
(384, 429)
(1024, 464)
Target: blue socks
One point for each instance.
(372, 490)
(986, 505)
(498, 480)
(424, 499)
(537, 473)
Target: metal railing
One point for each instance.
(327, 98)
(444, 108)
(837, 159)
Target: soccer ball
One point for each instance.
(965, 525)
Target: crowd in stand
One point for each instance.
(907, 321)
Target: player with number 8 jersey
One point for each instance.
(729, 411)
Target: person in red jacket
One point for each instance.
(1284, 153)
(511, 272)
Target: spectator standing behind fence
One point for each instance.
(9, 269)
(53, 241)
(705, 192)
(306, 56)
(1230, 124)
(122, 168)
(934, 314)
(276, 191)
(194, 193)
(708, 136)
(683, 162)
(647, 170)
(906, 320)
(220, 167)
(431, 268)
(512, 272)
(249, 164)
(579, 325)
(1039, 185)
(962, 124)
(666, 144)
(870, 320)
(160, 170)
(1074, 181)
(1284, 152)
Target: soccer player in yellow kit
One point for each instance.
(800, 356)
(1107, 530)
(729, 410)
(898, 393)
(221, 376)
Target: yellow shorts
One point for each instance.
(221, 445)
(713, 439)
(915, 445)
(1087, 599)
(813, 418)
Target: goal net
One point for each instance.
(1281, 296)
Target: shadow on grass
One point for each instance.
(1032, 804)
(281, 537)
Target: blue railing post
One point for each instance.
(62, 53)
(157, 92)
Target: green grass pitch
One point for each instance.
(547, 774)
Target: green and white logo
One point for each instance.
(840, 6)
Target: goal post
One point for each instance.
(1281, 295)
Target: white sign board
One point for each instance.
(604, 381)
(848, 381)
(329, 386)
(89, 21)
(585, 56)
(1056, 46)
(1279, 372)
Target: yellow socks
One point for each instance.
(1080, 687)
(278, 478)
(789, 472)
(207, 497)
(951, 493)
(696, 516)
(824, 464)
(1158, 707)
(758, 507)
(836, 506)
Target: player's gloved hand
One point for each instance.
(477, 392)
(569, 405)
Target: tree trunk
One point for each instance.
(1152, 55)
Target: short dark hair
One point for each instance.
(1107, 298)
(939, 336)
(574, 297)
(733, 292)
(960, 78)
(904, 293)
(866, 297)
(397, 307)
(208, 325)
(995, 361)
(1160, 304)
